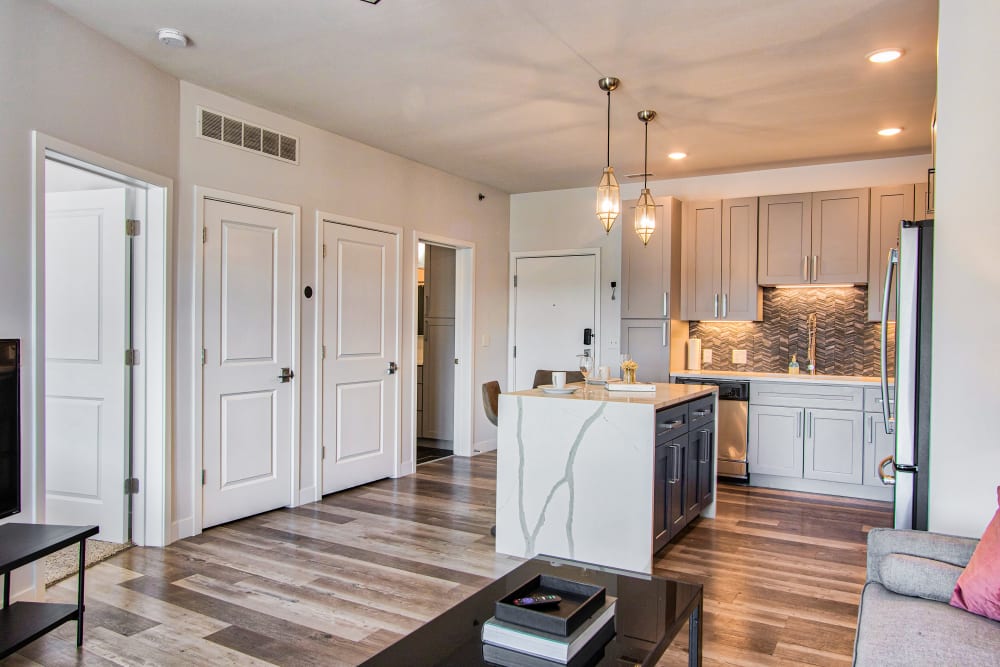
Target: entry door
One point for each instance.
(248, 406)
(554, 303)
(86, 284)
(360, 408)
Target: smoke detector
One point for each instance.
(172, 37)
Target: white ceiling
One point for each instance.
(505, 92)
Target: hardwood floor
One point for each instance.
(333, 582)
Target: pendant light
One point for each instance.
(645, 208)
(609, 199)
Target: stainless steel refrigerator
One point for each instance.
(909, 273)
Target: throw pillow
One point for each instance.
(919, 577)
(978, 589)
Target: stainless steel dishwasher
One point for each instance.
(734, 401)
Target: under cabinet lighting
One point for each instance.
(813, 285)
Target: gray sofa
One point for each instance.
(905, 618)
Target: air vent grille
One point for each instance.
(235, 132)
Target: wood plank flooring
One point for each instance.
(333, 582)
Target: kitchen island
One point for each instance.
(603, 477)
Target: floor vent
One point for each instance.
(235, 132)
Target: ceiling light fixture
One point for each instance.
(885, 55)
(172, 37)
(609, 198)
(677, 155)
(645, 208)
(890, 131)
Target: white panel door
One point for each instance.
(248, 432)
(554, 302)
(360, 408)
(86, 286)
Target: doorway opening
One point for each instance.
(100, 331)
(435, 352)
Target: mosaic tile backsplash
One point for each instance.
(846, 344)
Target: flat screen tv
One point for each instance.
(10, 428)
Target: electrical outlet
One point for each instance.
(739, 356)
(706, 356)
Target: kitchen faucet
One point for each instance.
(811, 332)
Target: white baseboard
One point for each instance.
(182, 528)
(307, 495)
(484, 446)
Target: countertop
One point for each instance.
(780, 377)
(665, 396)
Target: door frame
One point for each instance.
(465, 290)
(512, 299)
(315, 493)
(198, 336)
(151, 506)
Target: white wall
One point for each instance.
(965, 444)
(562, 219)
(340, 176)
(65, 80)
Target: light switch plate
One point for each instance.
(739, 356)
(706, 356)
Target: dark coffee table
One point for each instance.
(650, 612)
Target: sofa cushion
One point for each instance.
(919, 577)
(978, 589)
(900, 630)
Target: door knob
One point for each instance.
(286, 375)
(392, 368)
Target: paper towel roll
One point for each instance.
(694, 354)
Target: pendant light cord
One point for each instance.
(645, 156)
(609, 129)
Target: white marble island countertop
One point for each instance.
(665, 396)
(863, 380)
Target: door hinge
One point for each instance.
(515, 351)
(515, 280)
(132, 227)
(204, 234)
(324, 351)
(324, 453)
(131, 485)
(204, 356)
(203, 477)
(324, 250)
(132, 357)
(456, 361)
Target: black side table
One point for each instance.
(21, 543)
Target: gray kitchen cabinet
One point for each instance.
(648, 341)
(833, 449)
(645, 283)
(437, 388)
(878, 445)
(889, 205)
(775, 440)
(923, 207)
(439, 282)
(814, 238)
(719, 262)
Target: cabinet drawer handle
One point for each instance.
(701, 413)
(666, 426)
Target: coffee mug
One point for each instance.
(559, 379)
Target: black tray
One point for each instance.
(579, 602)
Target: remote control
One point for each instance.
(538, 600)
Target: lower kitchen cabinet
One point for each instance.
(701, 442)
(878, 445)
(775, 440)
(684, 475)
(833, 445)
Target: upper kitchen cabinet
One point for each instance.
(814, 238)
(890, 205)
(719, 262)
(923, 207)
(646, 288)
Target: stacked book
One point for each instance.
(576, 636)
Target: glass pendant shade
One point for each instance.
(645, 216)
(609, 199)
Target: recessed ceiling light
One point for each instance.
(890, 131)
(172, 37)
(885, 55)
(677, 155)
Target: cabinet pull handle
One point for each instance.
(670, 425)
(664, 331)
(809, 424)
(725, 305)
(871, 429)
(664, 304)
(677, 465)
(805, 268)
(798, 426)
(716, 306)
(701, 413)
(815, 265)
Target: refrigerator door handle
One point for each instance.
(887, 479)
(890, 425)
